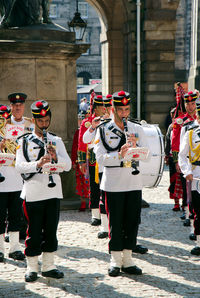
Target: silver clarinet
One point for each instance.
(51, 181)
(133, 162)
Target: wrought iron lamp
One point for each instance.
(77, 24)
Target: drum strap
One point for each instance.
(115, 131)
(25, 152)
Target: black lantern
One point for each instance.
(77, 24)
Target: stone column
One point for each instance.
(197, 80)
(41, 62)
(158, 59)
(193, 46)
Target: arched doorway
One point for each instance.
(83, 78)
(113, 17)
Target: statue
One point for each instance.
(18, 13)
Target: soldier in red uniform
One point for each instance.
(190, 115)
(82, 184)
(86, 155)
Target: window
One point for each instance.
(53, 11)
(83, 9)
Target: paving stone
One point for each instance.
(169, 270)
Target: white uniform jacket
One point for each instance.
(186, 166)
(13, 180)
(185, 128)
(88, 138)
(36, 188)
(116, 178)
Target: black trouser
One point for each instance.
(124, 209)
(196, 208)
(23, 221)
(10, 211)
(94, 189)
(42, 217)
(183, 182)
(185, 199)
(102, 206)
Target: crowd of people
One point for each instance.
(108, 175)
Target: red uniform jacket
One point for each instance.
(82, 147)
(178, 124)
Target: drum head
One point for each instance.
(153, 169)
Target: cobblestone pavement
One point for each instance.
(169, 270)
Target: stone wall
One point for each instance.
(159, 25)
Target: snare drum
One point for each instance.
(152, 170)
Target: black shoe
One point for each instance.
(17, 255)
(95, 222)
(31, 276)
(196, 251)
(145, 204)
(54, 273)
(140, 249)
(132, 270)
(6, 239)
(186, 222)
(102, 235)
(1, 257)
(182, 216)
(113, 271)
(192, 236)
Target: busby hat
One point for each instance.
(98, 100)
(108, 100)
(121, 98)
(40, 108)
(17, 97)
(190, 96)
(5, 111)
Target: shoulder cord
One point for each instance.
(195, 150)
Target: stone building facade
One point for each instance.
(168, 40)
(89, 64)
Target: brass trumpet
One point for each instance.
(10, 146)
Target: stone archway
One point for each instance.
(112, 16)
(119, 52)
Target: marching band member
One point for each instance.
(17, 105)
(11, 187)
(123, 190)
(82, 184)
(97, 110)
(190, 115)
(10, 190)
(88, 136)
(190, 167)
(41, 202)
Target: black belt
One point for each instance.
(122, 165)
(196, 163)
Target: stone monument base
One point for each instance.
(40, 60)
